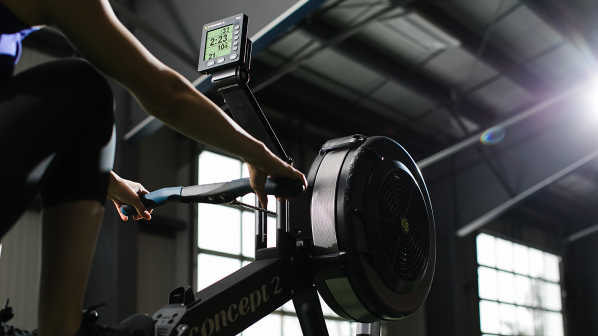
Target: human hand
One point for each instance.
(122, 191)
(263, 164)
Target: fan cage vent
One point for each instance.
(404, 227)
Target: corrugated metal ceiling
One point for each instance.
(430, 51)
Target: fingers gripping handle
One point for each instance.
(283, 187)
(155, 199)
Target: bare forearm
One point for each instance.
(161, 91)
(194, 115)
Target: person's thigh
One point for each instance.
(56, 135)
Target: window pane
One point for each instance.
(215, 168)
(489, 321)
(523, 290)
(290, 326)
(520, 259)
(487, 283)
(325, 309)
(268, 326)
(507, 319)
(506, 287)
(249, 234)
(552, 296)
(271, 232)
(212, 268)
(353, 329)
(272, 203)
(486, 250)
(524, 283)
(536, 263)
(249, 199)
(537, 292)
(289, 306)
(554, 324)
(504, 254)
(345, 328)
(551, 267)
(219, 228)
(538, 322)
(525, 321)
(338, 328)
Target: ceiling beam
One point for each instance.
(582, 233)
(393, 113)
(553, 16)
(573, 25)
(330, 42)
(304, 101)
(499, 210)
(261, 40)
(400, 73)
(491, 55)
(474, 139)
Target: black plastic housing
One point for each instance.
(378, 293)
(243, 56)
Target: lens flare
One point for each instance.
(493, 135)
(590, 98)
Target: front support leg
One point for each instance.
(309, 311)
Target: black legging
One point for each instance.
(56, 137)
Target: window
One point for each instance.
(226, 243)
(519, 289)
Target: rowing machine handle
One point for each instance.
(155, 199)
(215, 193)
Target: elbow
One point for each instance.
(172, 91)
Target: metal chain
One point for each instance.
(235, 202)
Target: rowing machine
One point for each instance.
(362, 234)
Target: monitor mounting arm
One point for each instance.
(232, 84)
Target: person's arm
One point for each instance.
(96, 32)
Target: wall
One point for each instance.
(164, 261)
(155, 269)
(19, 269)
(581, 286)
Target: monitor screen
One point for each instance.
(218, 42)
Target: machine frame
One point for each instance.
(279, 274)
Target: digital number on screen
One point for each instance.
(218, 42)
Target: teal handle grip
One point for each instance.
(155, 199)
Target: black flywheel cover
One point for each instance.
(370, 202)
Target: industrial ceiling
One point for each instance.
(432, 75)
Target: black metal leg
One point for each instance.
(309, 312)
(368, 329)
